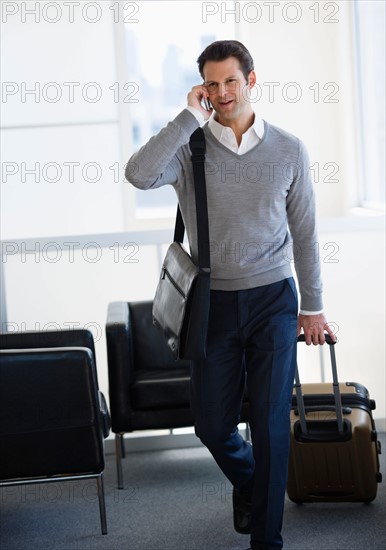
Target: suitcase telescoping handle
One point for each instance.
(335, 385)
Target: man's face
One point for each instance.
(228, 89)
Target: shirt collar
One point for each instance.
(218, 129)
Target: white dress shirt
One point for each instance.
(226, 135)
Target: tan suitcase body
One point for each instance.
(331, 460)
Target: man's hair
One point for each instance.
(222, 49)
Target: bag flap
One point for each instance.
(180, 267)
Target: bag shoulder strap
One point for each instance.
(198, 148)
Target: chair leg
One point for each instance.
(247, 432)
(118, 458)
(123, 450)
(102, 504)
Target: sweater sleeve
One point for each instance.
(302, 225)
(156, 163)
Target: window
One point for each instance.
(370, 42)
(162, 49)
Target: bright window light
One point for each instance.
(370, 42)
(162, 49)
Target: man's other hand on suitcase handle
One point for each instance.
(314, 328)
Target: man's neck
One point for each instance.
(239, 125)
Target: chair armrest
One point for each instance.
(120, 363)
(105, 415)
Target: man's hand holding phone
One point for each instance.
(198, 98)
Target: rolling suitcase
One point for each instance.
(334, 447)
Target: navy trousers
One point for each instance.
(251, 338)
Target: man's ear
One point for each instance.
(251, 79)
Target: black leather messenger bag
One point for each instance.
(181, 302)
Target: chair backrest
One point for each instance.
(47, 339)
(49, 412)
(149, 347)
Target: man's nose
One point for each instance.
(224, 87)
(222, 90)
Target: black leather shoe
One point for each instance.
(242, 508)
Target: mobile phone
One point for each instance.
(207, 103)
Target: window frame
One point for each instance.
(364, 161)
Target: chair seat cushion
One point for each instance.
(161, 388)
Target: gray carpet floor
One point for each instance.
(173, 500)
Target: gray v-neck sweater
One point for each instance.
(260, 204)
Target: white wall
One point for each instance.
(43, 288)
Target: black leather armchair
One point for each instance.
(148, 388)
(53, 418)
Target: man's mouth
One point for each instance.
(225, 103)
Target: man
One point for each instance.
(258, 186)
